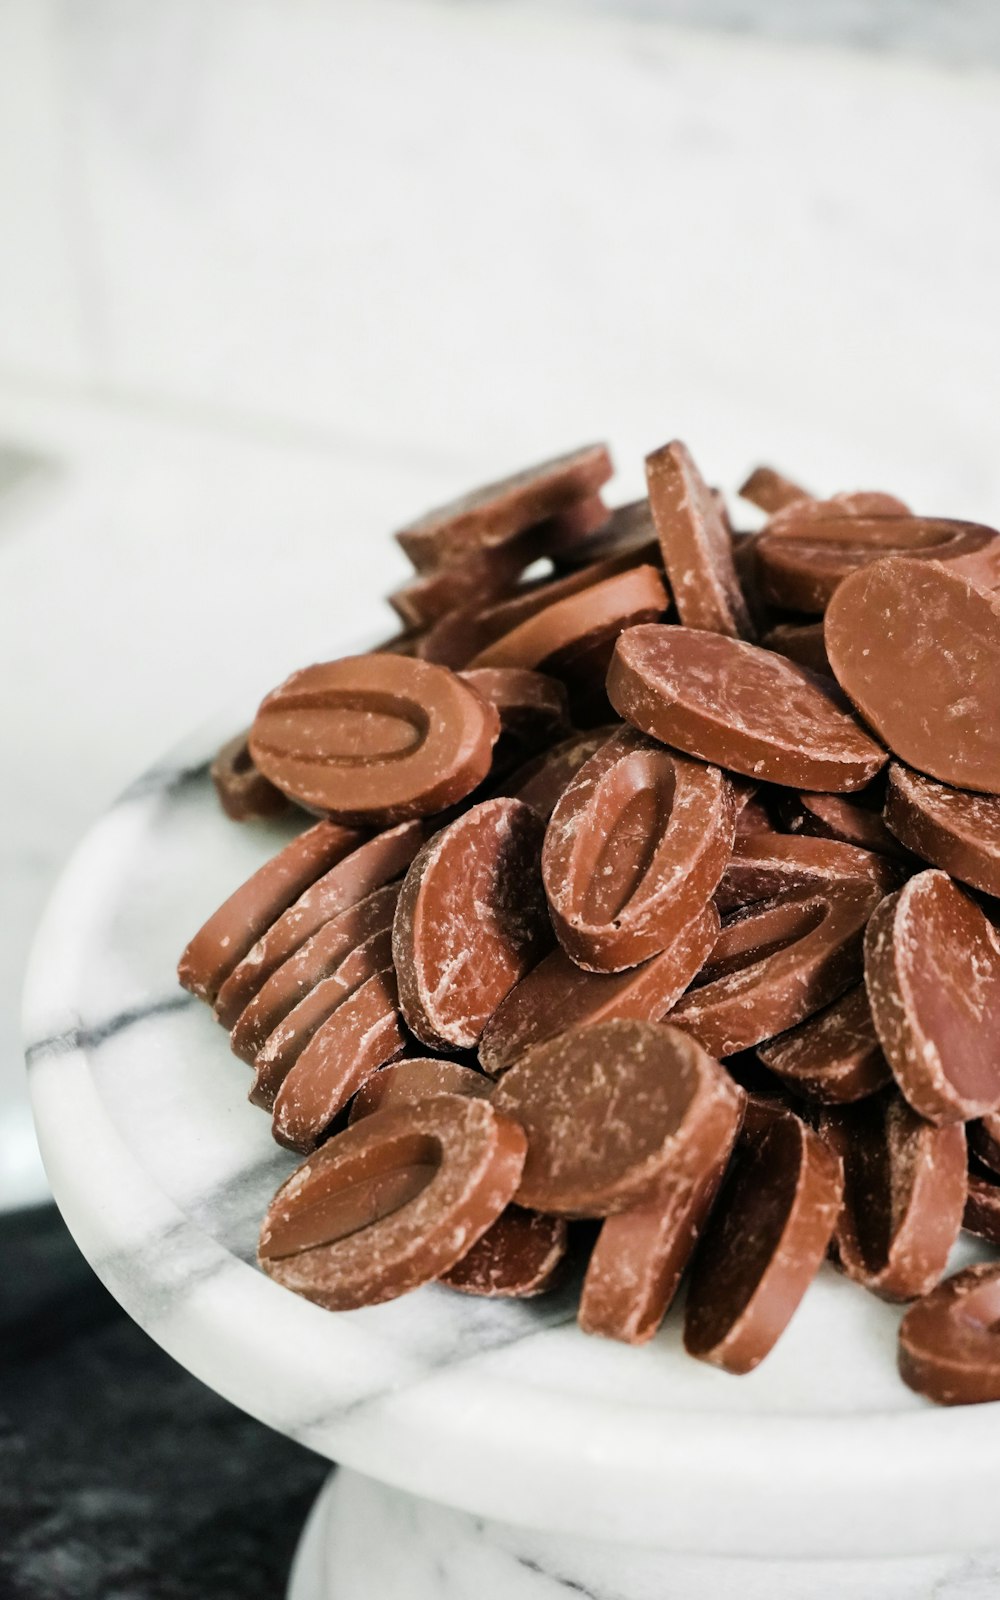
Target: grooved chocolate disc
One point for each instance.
(765, 865)
(952, 828)
(835, 1057)
(601, 610)
(514, 1259)
(403, 1083)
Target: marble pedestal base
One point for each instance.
(364, 1541)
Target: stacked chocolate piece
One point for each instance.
(655, 884)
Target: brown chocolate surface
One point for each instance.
(245, 795)
(953, 828)
(984, 1140)
(361, 1034)
(982, 1207)
(601, 609)
(351, 879)
(516, 1258)
(832, 816)
(764, 1245)
(533, 710)
(949, 1342)
(403, 1083)
(774, 965)
(374, 739)
(764, 865)
(905, 1186)
(835, 1056)
(697, 545)
(771, 490)
(541, 781)
(219, 946)
(608, 1110)
(932, 969)
(640, 1255)
(634, 850)
(471, 920)
(917, 649)
(557, 994)
(392, 1202)
(497, 512)
(715, 698)
(803, 573)
(802, 642)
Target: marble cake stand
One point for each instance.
(487, 1450)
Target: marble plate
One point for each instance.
(163, 1171)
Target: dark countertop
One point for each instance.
(121, 1476)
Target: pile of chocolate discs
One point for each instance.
(650, 912)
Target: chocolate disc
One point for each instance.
(627, 529)
(917, 649)
(319, 958)
(984, 1141)
(832, 816)
(392, 1202)
(245, 795)
(835, 1057)
(219, 946)
(609, 1110)
(949, 1342)
(774, 965)
(541, 781)
(354, 877)
(640, 1256)
(533, 711)
(374, 739)
(403, 1083)
(771, 490)
(719, 699)
(803, 573)
(952, 828)
(904, 1194)
(477, 579)
(602, 609)
(932, 967)
(501, 617)
(765, 865)
(696, 544)
(763, 1246)
(802, 642)
(361, 1034)
(497, 512)
(470, 922)
(557, 994)
(634, 849)
(982, 1208)
(514, 1259)
(280, 1051)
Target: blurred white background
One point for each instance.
(276, 274)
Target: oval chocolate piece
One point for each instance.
(514, 1259)
(634, 849)
(932, 968)
(374, 739)
(771, 490)
(403, 1083)
(557, 994)
(245, 795)
(533, 710)
(601, 610)
(952, 828)
(803, 572)
(696, 544)
(766, 865)
(802, 642)
(949, 1342)
(471, 920)
(835, 1057)
(717, 698)
(540, 782)
(764, 1244)
(917, 649)
(832, 816)
(774, 965)
(904, 1194)
(609, 1110)
(392, 1203)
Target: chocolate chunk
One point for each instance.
(764, 1244)
(802, 642)
(353, 877)
(498, 512)
(393, 1202)
(949, 1342)
(774, 965)
(514, 1259)
(496, 620)
(317, 959)
(932, 968)
(374, 739)
(982, 1208)
(952, 828)
(533, 711)
(765, 865)
(609, 1110)
(360, 1035)
(831, 816)
(477, 579)
(634, 849)
(696, 544)
(557, 994)
(470, 922)
(403, 1083)
(218, 947)
(640, 1255)
(771, 490)
(245, 795)
(835, 1057)
(917, 649)
(594, 614)
(904, 1194)
(716, 698)
(541, 781)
